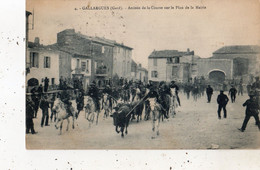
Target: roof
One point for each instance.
(142, 69)
(239, 49)
(169, 53)
(67, 49)
(122, 45)
(100, 40)
(133, 63)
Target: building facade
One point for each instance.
(168, 65)
(42, 62)
(92, 56)
(122, 57)
(246, 59)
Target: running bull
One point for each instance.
(121, 117)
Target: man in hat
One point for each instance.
(232, 93)
(44, 105)
(256, 88)
(222, 102)
(93, 92)
(209, 92)
(29, 115)
(252, 109)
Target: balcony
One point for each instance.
(101, 72)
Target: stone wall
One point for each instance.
(206, 65)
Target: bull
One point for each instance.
(121, 118)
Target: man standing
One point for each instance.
(35, 98)
(232, 93)
(240, 89)
(222, 102)
(44, 105)
(29, 116)
(252, 108)
(256, 89)
(46, 84)
(209, 92)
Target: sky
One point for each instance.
(233, 22)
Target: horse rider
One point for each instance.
(152, 94)
(163, 91)
(65, 98)
(108, 91)
(93, 92)
(173, 85)
(80, 103)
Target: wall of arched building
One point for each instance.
(207, 65)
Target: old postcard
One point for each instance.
(180, 74)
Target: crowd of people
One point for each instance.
(129, 91)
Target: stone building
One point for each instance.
(92, 56)
(168, 65)
(43, 61)
(142, 74)
(215, 70)
(122, 57)
(103, 58)
(246, 59)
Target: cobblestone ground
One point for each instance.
(195, 126)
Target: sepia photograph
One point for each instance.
(142, 75)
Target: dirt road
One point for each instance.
(195, 126)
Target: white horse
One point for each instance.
(156, 115)
(90, 110)
(62, 114)
(106, 104)
(173, 102)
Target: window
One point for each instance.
(47, 62)
(103, 49)
(53, 81)
(78, 63)
(155, 62)
(169, 60)
(34, 59)
(83, 66)
(154, 74)
(174, 71)
(87, 67)
(177, 59)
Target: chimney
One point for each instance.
(188, 50)
(37, 41)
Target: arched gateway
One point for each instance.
(217, 76)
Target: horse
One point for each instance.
(139, 108)
(90, 110)
(173, 102)
(156, 115)
(106, 105)
(62, 113)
